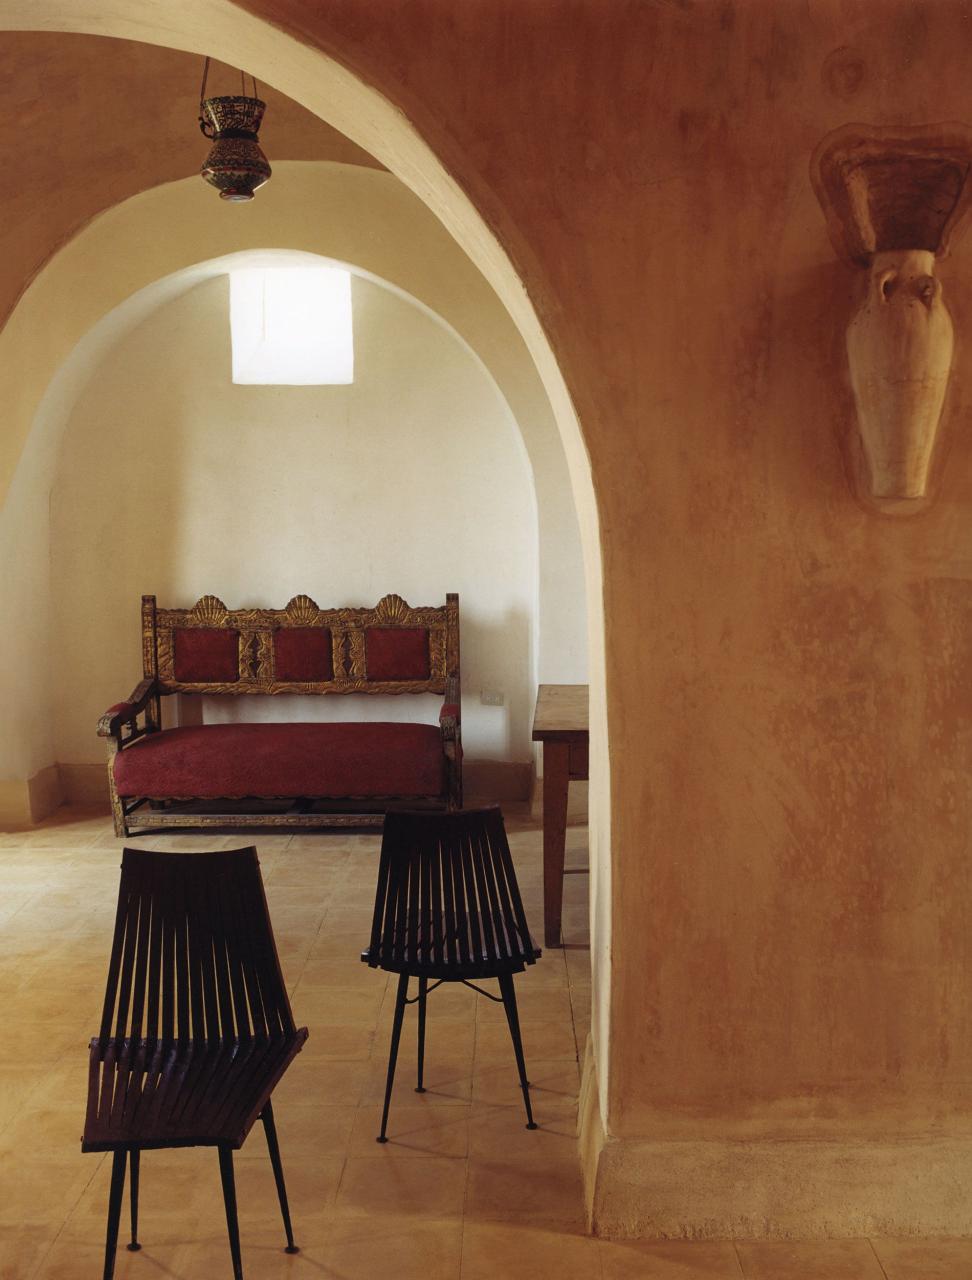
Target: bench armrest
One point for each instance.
(122, 713)
(449, 719)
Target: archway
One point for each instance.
(197, 484)
(335, 94)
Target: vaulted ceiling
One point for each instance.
(91, 121)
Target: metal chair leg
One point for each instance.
(114, 1210)
(229, 1200)
(509, 1004)
(423, 996)
(393, 1051)
(270, 1129)
(133, 1198)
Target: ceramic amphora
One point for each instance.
(899, 345)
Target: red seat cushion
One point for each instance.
(232, 761)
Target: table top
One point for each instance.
(561, 713)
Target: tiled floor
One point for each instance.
(461, 1191)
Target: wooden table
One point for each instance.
(560, 723)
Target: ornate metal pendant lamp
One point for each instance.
(235, 166)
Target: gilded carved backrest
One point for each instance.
(301, 648)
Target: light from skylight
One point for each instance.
(291, 326)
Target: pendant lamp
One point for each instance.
(235, 166)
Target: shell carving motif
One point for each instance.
(302, 611)
(391, 609)
(208, 612)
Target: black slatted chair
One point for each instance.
(197, 1028)
(448, 909)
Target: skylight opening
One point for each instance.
(291, 326)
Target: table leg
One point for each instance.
(556, 776)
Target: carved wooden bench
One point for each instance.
(330, 774)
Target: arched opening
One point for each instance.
(331, 92)
(264, 491)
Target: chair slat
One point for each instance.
(449, 903)
(114, 963)
(197, 977)
(426, 918)
(436, 905)
(152, 1028)
(218, 927)
(490, 945)
(128, 962)
(484, 864)
(237, 956)
(183, 1027)
(499, 842)
(167, 917)
(472, 933)
(141, 957)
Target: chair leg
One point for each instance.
(133, 1198)
(270, 1129)
(229, 1200)
(393, 1051)
(509, 1004)
(422, 999)
(114, 1210)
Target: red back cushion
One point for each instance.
(397, 653)
(205, 655)
(303, 654)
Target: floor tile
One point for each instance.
(353, 1248)
(414, 1132)
(430, 1188)
(491, 1250)
(532, 1189)
(812, 1260)
(305, 1131)
(22, 1248)
(925, 1259)
(669, 1260)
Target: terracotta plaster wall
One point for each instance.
(788, 673)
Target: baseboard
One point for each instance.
(496, 780)
(590, 1129)
(85, 785)
(577, 794)
(14, 805)
(785, 1189)
(24, 802)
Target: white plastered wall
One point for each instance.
(173, 480)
